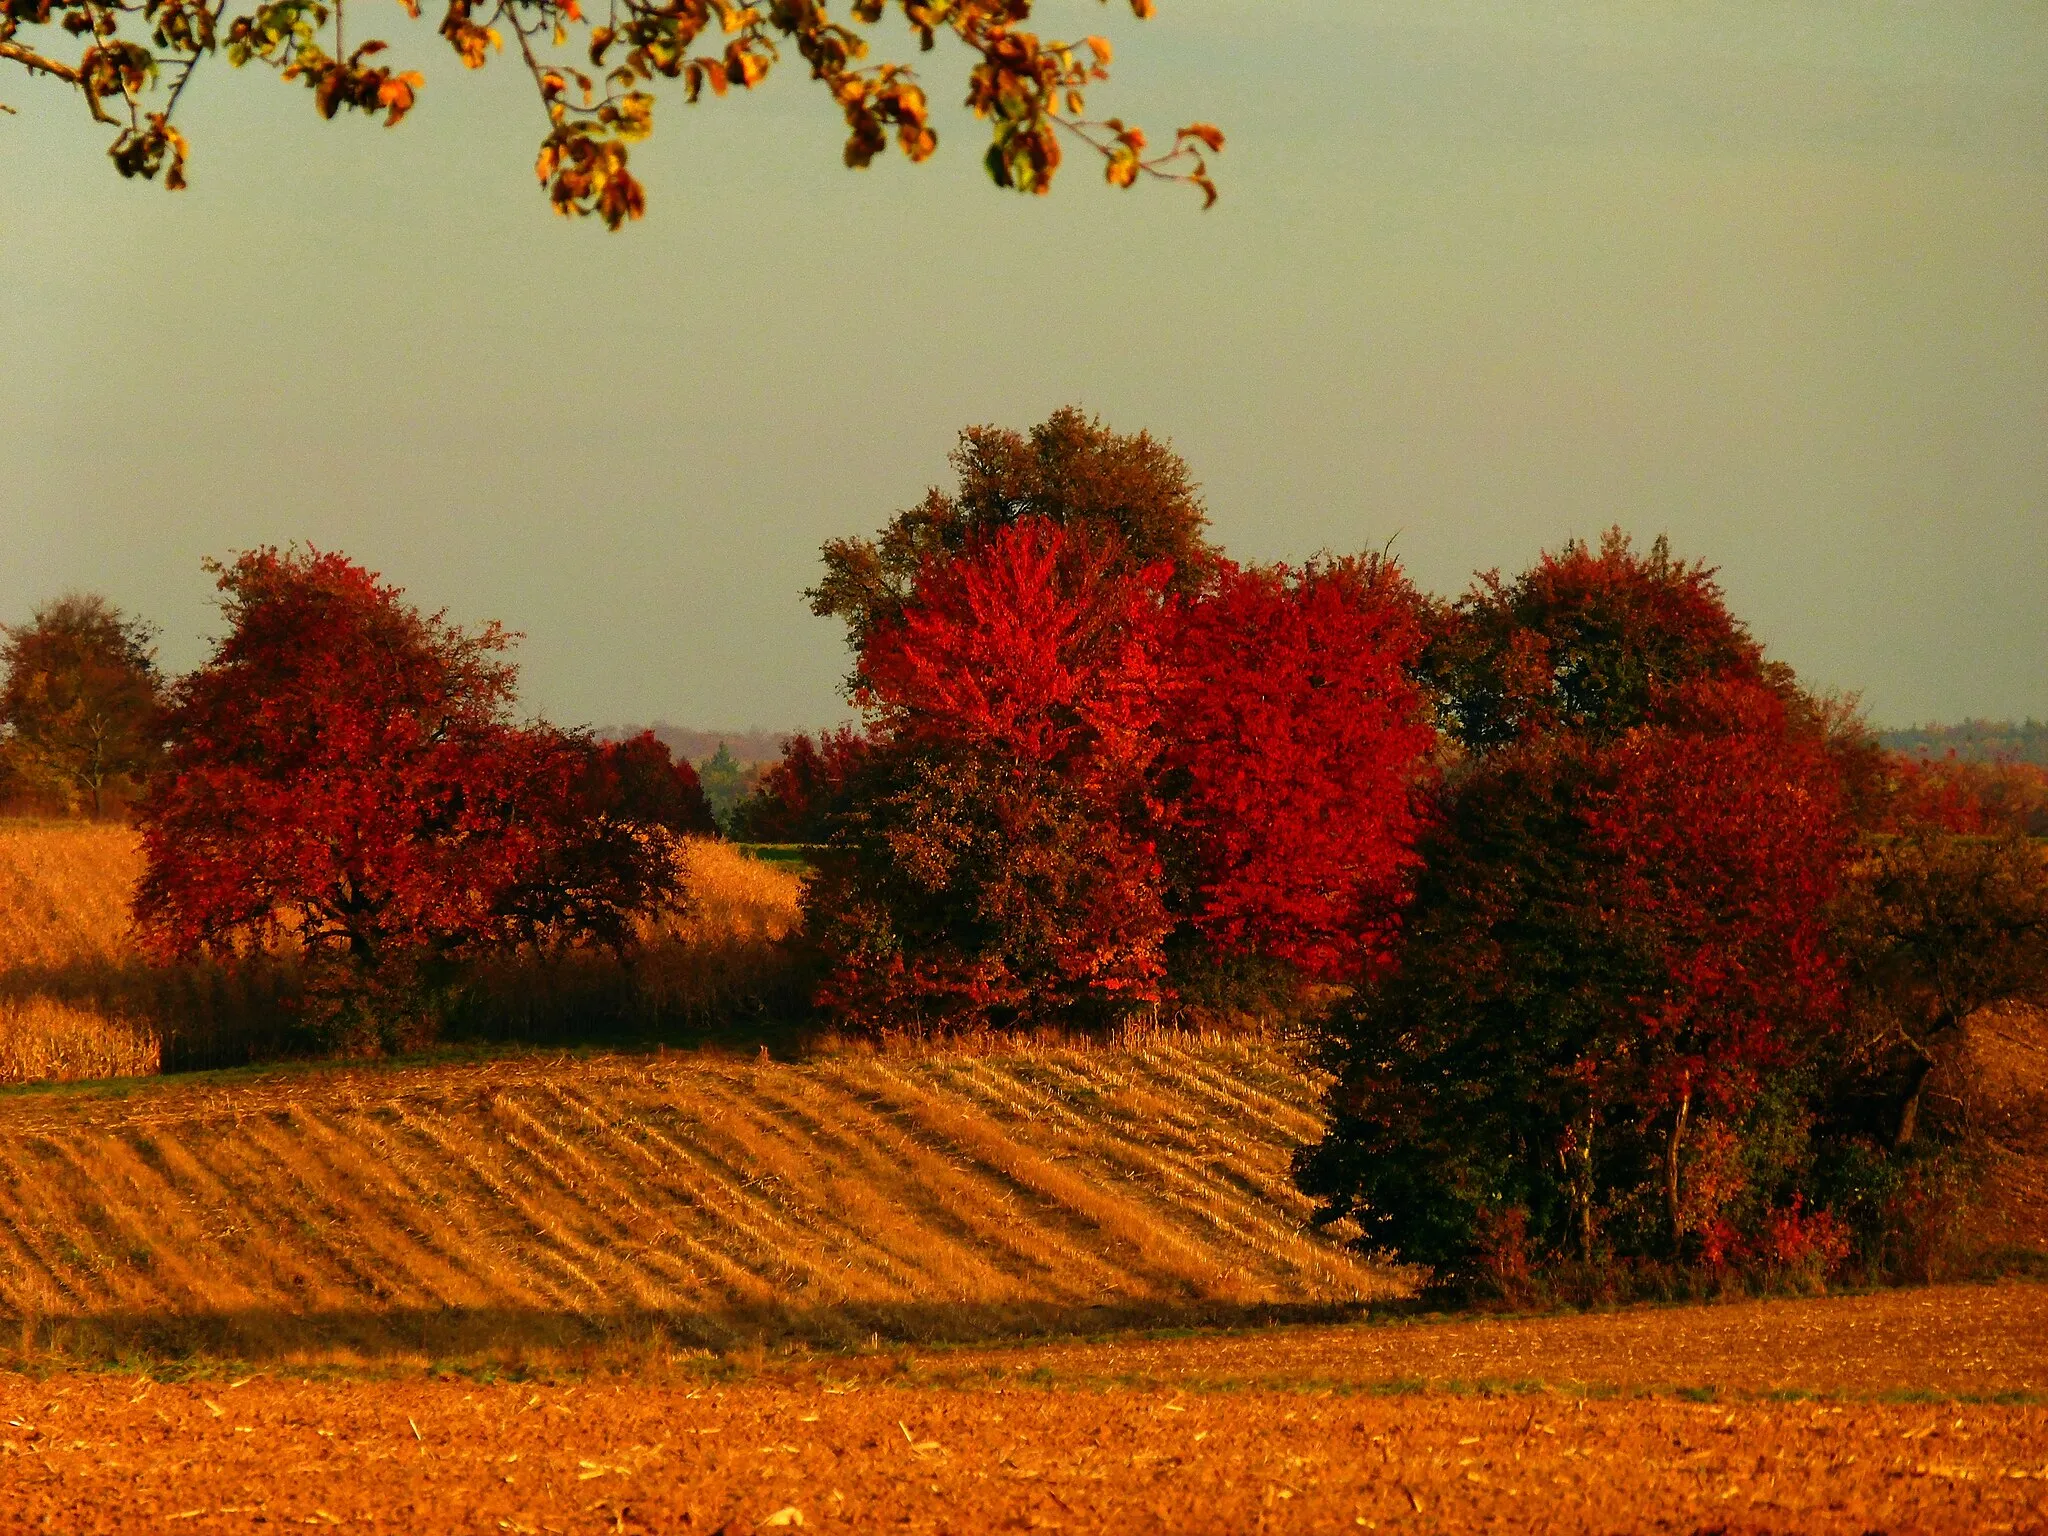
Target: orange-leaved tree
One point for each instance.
(80, 704)
(595, 73)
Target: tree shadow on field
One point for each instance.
(205, 1014)
(538, 1337)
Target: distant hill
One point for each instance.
(1974, 741)
(756, 744)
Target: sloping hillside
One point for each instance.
(948, 1194)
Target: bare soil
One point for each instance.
(1122, 1435)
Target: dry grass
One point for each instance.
(77, 999)
(64, 893)
(519, 1205)
(42, 1041)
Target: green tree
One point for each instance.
(131, 61)
(724, 782)
(80, 701)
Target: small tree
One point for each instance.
(798, 793)
(343, 773)
(603, 824)
(724, 782)
(81, 701)
(1935, 927)
(995, 864)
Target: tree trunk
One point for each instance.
(1671, 1149)
(1583, 1192)
(1909, 1112)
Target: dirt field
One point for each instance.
(1128, 1436)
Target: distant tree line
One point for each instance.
(1974, 741)
(1627, 952)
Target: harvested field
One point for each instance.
(866, 1442)
(458, 1210)
(1982, 1341)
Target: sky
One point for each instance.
(1486, 275)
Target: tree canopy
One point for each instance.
(1619, 933)
(343, 774)
(595, 73)
(80, 702)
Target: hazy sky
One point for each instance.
(1770, 277)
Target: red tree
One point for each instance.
(1294, 766)
(997, 862)
(343, 771)
(1621, 927)
(1724, 842)
(798, 792)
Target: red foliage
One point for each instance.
(1723, 833)
(997, 860)
(797, 793)
(1037, 645)
(1052, 726)
(1794, 1238)
(1947, 794)
(342, 769)
(1585, 640)
(599, 824)
(1296, 741)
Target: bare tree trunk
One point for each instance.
(1583, 1193)
(1909, 1113)
(1671, 1150)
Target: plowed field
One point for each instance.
(458, 1209)
(962, 1442)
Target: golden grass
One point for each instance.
(78, 999)
(489, 1208)
(64, 889)
(46, 1041)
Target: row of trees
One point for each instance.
(1641, 949)
(1621, 942)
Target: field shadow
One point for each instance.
(206, 1014)
(510, 1336)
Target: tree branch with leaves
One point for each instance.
(596, 72)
